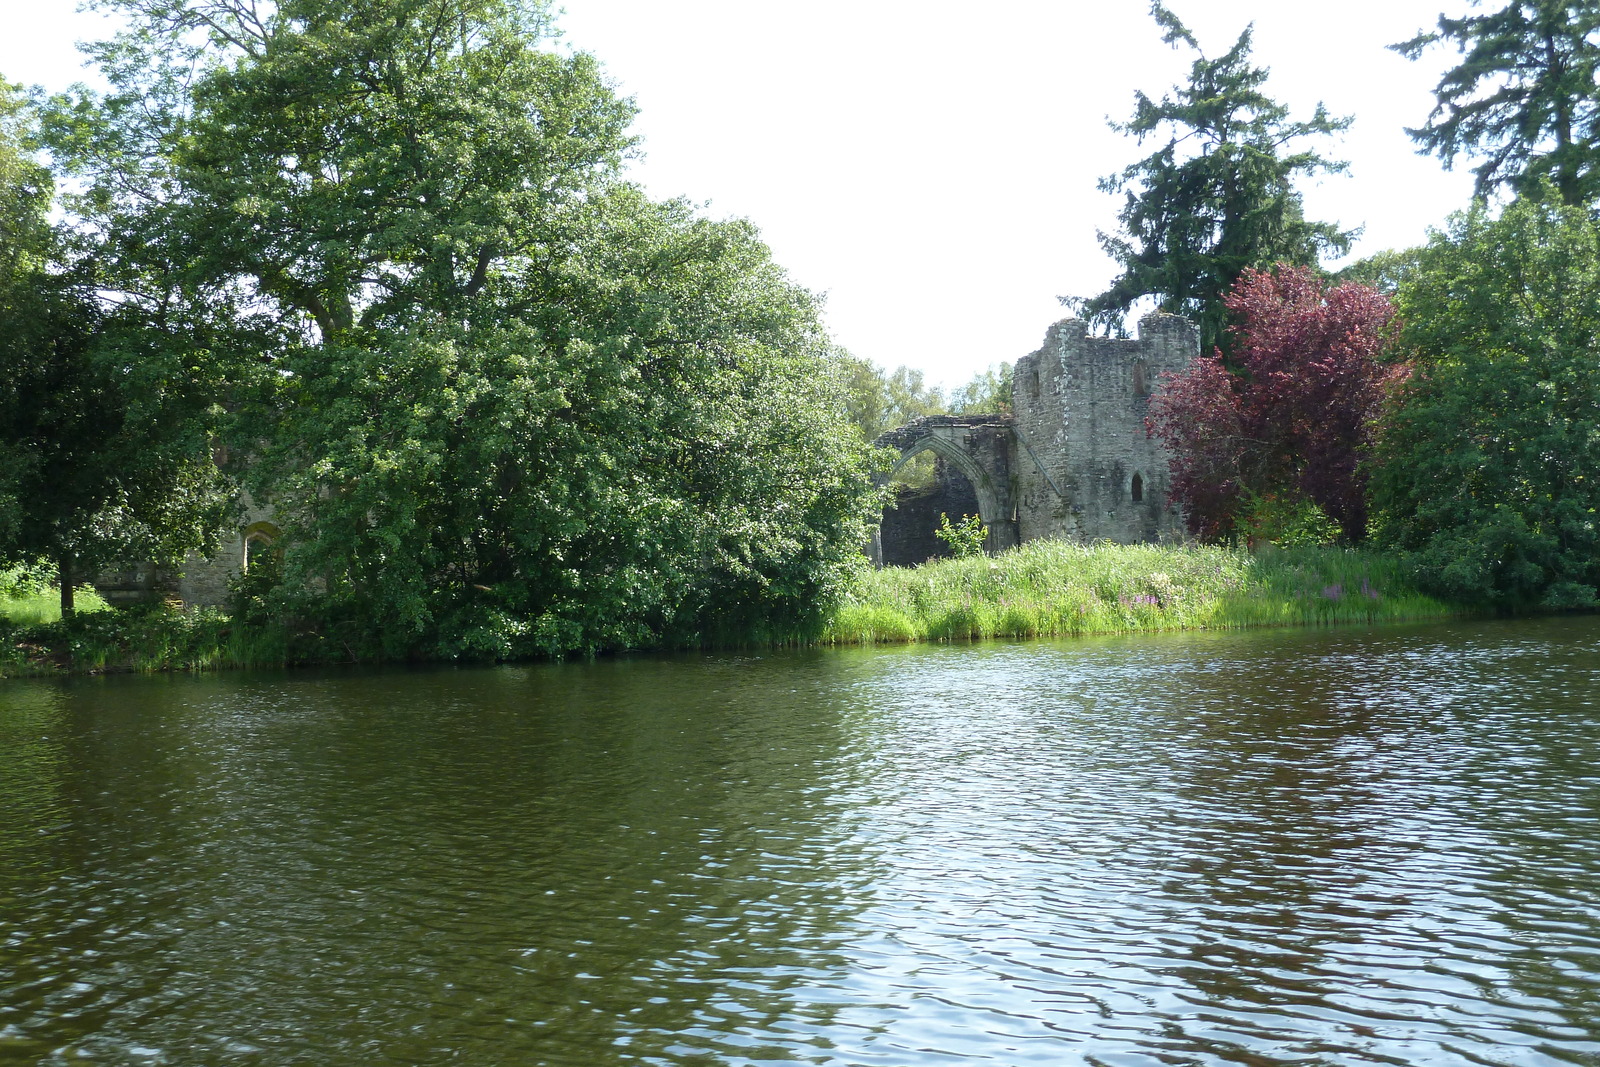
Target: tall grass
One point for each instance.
(145, 639)
(1043, 589)
(33, 607)
(1059, 588)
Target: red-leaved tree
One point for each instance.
(1293, 415)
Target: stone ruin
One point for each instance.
(202, 581)
(1071, 461)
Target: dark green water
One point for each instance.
(1354, 847)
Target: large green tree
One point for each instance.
(502, 401)
(104, 451)
(1523, 97)
(1218, 194)
(1486, 467)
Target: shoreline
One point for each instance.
(1045, 589)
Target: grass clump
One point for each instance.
(1062, 588)
(28, 599)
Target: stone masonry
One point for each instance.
(202, 581)
(972, 477)
(1073, 459)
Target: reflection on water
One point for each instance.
(1347, 847)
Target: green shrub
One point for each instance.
(965, 538)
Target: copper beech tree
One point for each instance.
(1290, 416)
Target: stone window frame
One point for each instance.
(264, 534)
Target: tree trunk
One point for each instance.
(66, 577)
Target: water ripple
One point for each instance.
(1338, 848)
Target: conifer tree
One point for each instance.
(1523, 97)
(1217, 195)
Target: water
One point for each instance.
(1344, 848)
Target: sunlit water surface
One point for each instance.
(1337, 847)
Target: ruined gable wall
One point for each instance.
(1039, 464)
(980, 447)
(1082, 451)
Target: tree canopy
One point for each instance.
(1292, 424)
(1523, 97)
(877, 400)
(1217, 195)
(104, 450)
(1486, 464)
(501, 401)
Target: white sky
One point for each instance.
(931, 167)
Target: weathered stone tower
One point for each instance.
(1088, 469)
(1073, 460)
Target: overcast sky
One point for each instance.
(931, 167)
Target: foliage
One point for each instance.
(1044, 588)
(876, 401)
(1486, 467)
(1062, 588)
(503, 403)
(965, 538)
(25, 192)
(143, 639)
(1522, 98)
(1284, 519)
(104, 453)
(42, 604)
(1217, 197)
(1294, 422)
(922, 472)
(988, 392)
(1383, 271)
(24, 581)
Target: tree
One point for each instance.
(877, 400)
(1293, 423)
(1217, 197)
(989, 391)
(1523, 97)
(1485, 466)
(503, 403)
(104, 456)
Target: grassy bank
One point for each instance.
(1057, 589)
(141, 640)
(1044, 589)
(34, 607)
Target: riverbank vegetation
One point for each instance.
(1042, 589)
(1061, 588)
(378, 264)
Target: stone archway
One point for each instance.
(977, 446)
(258, 539)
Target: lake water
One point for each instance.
(1330, 847)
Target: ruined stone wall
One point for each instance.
(909, 522)
(205, 579)
(1084, 467)
(202, 581)
(979, 448)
